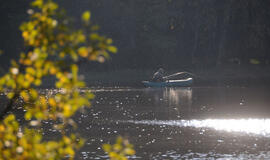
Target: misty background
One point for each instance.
(223, 41)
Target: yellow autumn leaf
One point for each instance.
(25, 96)
(112, 49)
(39, 115)
(10, 95)
(25, 35)
(106, 148)
(43, 100)
(53, 70)
(69, 151)
(113, 155)
(83, 51)
(37, 82)
(37, 3)
(86, 16)
(52, 102)
(129, 151)
(2, 128)
(30, 70)
(117, 147)
(109, 41)
(33, 93)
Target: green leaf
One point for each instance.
(254, 61)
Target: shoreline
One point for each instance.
(225, 76)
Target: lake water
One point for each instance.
(178, 123)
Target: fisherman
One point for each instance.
(158, 76)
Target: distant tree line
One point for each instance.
(177, 34)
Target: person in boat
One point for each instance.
(158, 76)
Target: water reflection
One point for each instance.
(178, 96)
(249, 126)
(180, 123)
(172, 96)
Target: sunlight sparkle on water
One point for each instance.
(250, 126)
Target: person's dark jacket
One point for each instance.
(158, 76)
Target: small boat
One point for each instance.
(170, 83)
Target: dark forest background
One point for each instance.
(173, 34)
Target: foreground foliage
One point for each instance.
(120, 150)
(53, 49)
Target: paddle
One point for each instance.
(176, 74)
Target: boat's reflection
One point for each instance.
(171, 96)
(178, 96)
(172, 103)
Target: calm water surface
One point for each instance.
(179, 123)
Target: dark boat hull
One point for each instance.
(170, 83)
